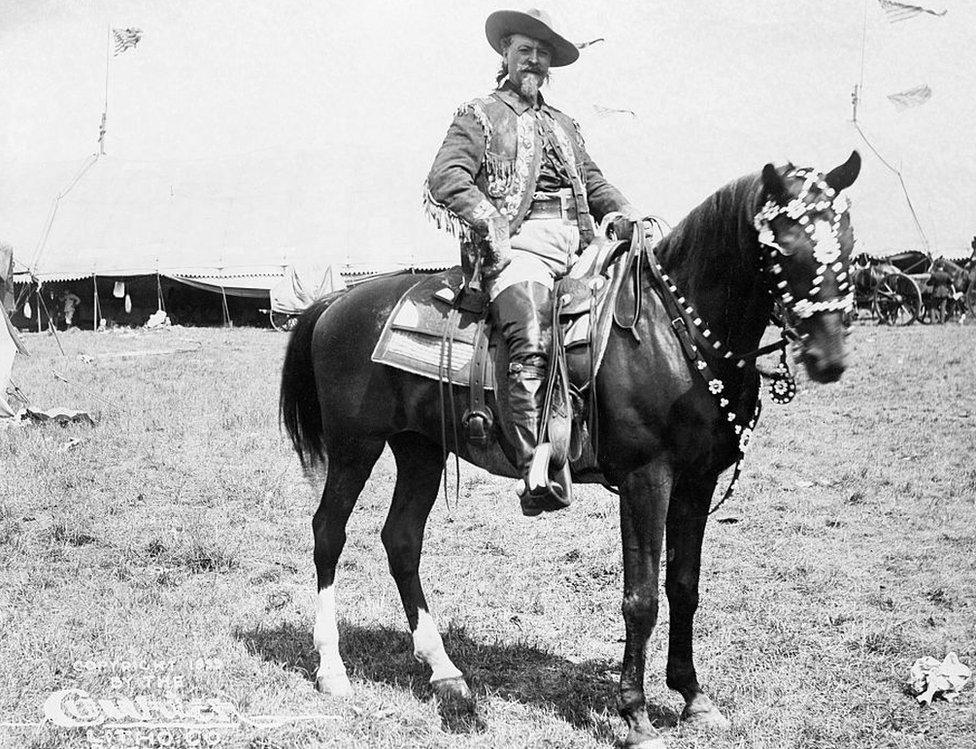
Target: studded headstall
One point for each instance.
(826, 247)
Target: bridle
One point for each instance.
(826, 247)
(827, 253)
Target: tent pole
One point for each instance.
(95, 304)
(226, 310)
(159, 293)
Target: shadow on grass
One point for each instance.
(582, 693)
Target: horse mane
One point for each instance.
(716, 230)
(714, 257)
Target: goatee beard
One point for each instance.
(529, 87)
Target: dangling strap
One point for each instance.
(477, 420)
(594, 411)
(551, 371)
(444, 379)
(631, 270)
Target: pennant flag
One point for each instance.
(903, 11)
(584, 45)
(913, 97)
(607, 111)
(125, 39)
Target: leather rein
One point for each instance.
(683, 321)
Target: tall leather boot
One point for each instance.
(523, 314)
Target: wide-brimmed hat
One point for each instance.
(535, 23)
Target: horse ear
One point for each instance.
(774, 185)
(843, 176)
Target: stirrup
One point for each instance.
(540, 493)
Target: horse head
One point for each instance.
(805, 231)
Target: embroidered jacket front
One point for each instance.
(490, 161)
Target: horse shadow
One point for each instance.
(582, 693)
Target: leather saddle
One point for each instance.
(421, 335)
(439, 330)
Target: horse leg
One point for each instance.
(687, 515)
(643, 508)
(348, 469)
(419, 462)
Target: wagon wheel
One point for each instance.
(971, 298)
(282, 322)
(897, 300)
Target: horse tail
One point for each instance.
(298, 404)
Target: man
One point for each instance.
(514, 182)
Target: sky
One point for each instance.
(718, 88)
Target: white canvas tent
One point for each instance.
(234, 223)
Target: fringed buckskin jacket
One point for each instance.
(489, 164)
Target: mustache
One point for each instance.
(531, 69)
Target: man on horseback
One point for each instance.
(514, 182)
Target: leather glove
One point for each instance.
(498, 253)
(623, 228)
(623, 224)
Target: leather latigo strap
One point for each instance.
(477, 420)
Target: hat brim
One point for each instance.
(502, 23)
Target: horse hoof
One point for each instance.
(705, 715)
(452, 688)
(336, 685)
(636, 740)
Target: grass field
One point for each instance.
(178, 529)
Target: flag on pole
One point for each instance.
(607, 111)
(125, 39)
(913, 97)
(584, 45)
(903, 11)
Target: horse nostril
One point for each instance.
(832, 372)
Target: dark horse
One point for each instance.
(663, 437)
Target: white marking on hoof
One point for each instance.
(429, 648)
(331, 677)
(337, 685)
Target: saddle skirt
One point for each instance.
(428, 336)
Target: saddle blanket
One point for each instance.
(426, 335)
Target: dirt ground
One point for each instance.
(166, 551)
